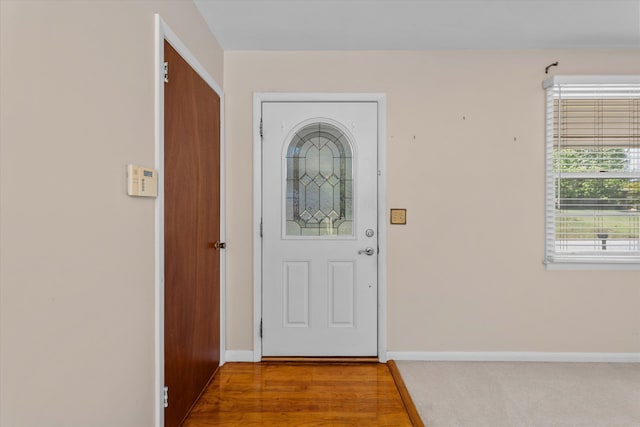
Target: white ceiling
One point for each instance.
(422, 24)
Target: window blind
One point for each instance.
(593, 169)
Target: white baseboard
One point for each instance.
(513, 356)
(239, 356)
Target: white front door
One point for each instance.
(320, 229)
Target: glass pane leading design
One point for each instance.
(319, 183)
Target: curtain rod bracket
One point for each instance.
(546, 69)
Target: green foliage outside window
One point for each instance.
(600, 192)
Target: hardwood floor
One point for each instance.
(300, 394)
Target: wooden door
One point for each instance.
(192, 225)
(320, 243)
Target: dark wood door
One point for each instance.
(192, 225)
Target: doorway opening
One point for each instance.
(319, 225)
(165, 35)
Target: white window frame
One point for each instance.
(552, 259)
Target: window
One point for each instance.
(319, 182)
(593, 170)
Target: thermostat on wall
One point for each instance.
(141, 181)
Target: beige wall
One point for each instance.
(466, 158)
(76, 253)
(76, 256)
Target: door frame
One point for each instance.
(163, 32)
(381, 100)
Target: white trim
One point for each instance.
(380, 99)
(239, 356)
(257, 219)
(513, 356)
(186, 54)
(159, 233)
(587, 79)
(223, 237)
(162, 33)
(382, 228)
(591, 265)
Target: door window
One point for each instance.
(319, 182)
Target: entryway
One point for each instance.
(319, 272)
(305, 394)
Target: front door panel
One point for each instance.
(319, 200)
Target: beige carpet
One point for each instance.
(506, 394)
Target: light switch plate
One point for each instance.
(398, 216)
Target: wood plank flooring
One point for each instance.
(300, 394)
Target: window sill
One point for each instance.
(591, 265)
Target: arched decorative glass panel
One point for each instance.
(319, 183)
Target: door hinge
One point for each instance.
(260, 227)
(261, 128)
(166, 397)
(260, 328)
(166, 72)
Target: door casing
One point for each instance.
(380, 99)
(163, 32)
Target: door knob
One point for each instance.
(218, 245)
(369, 251)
